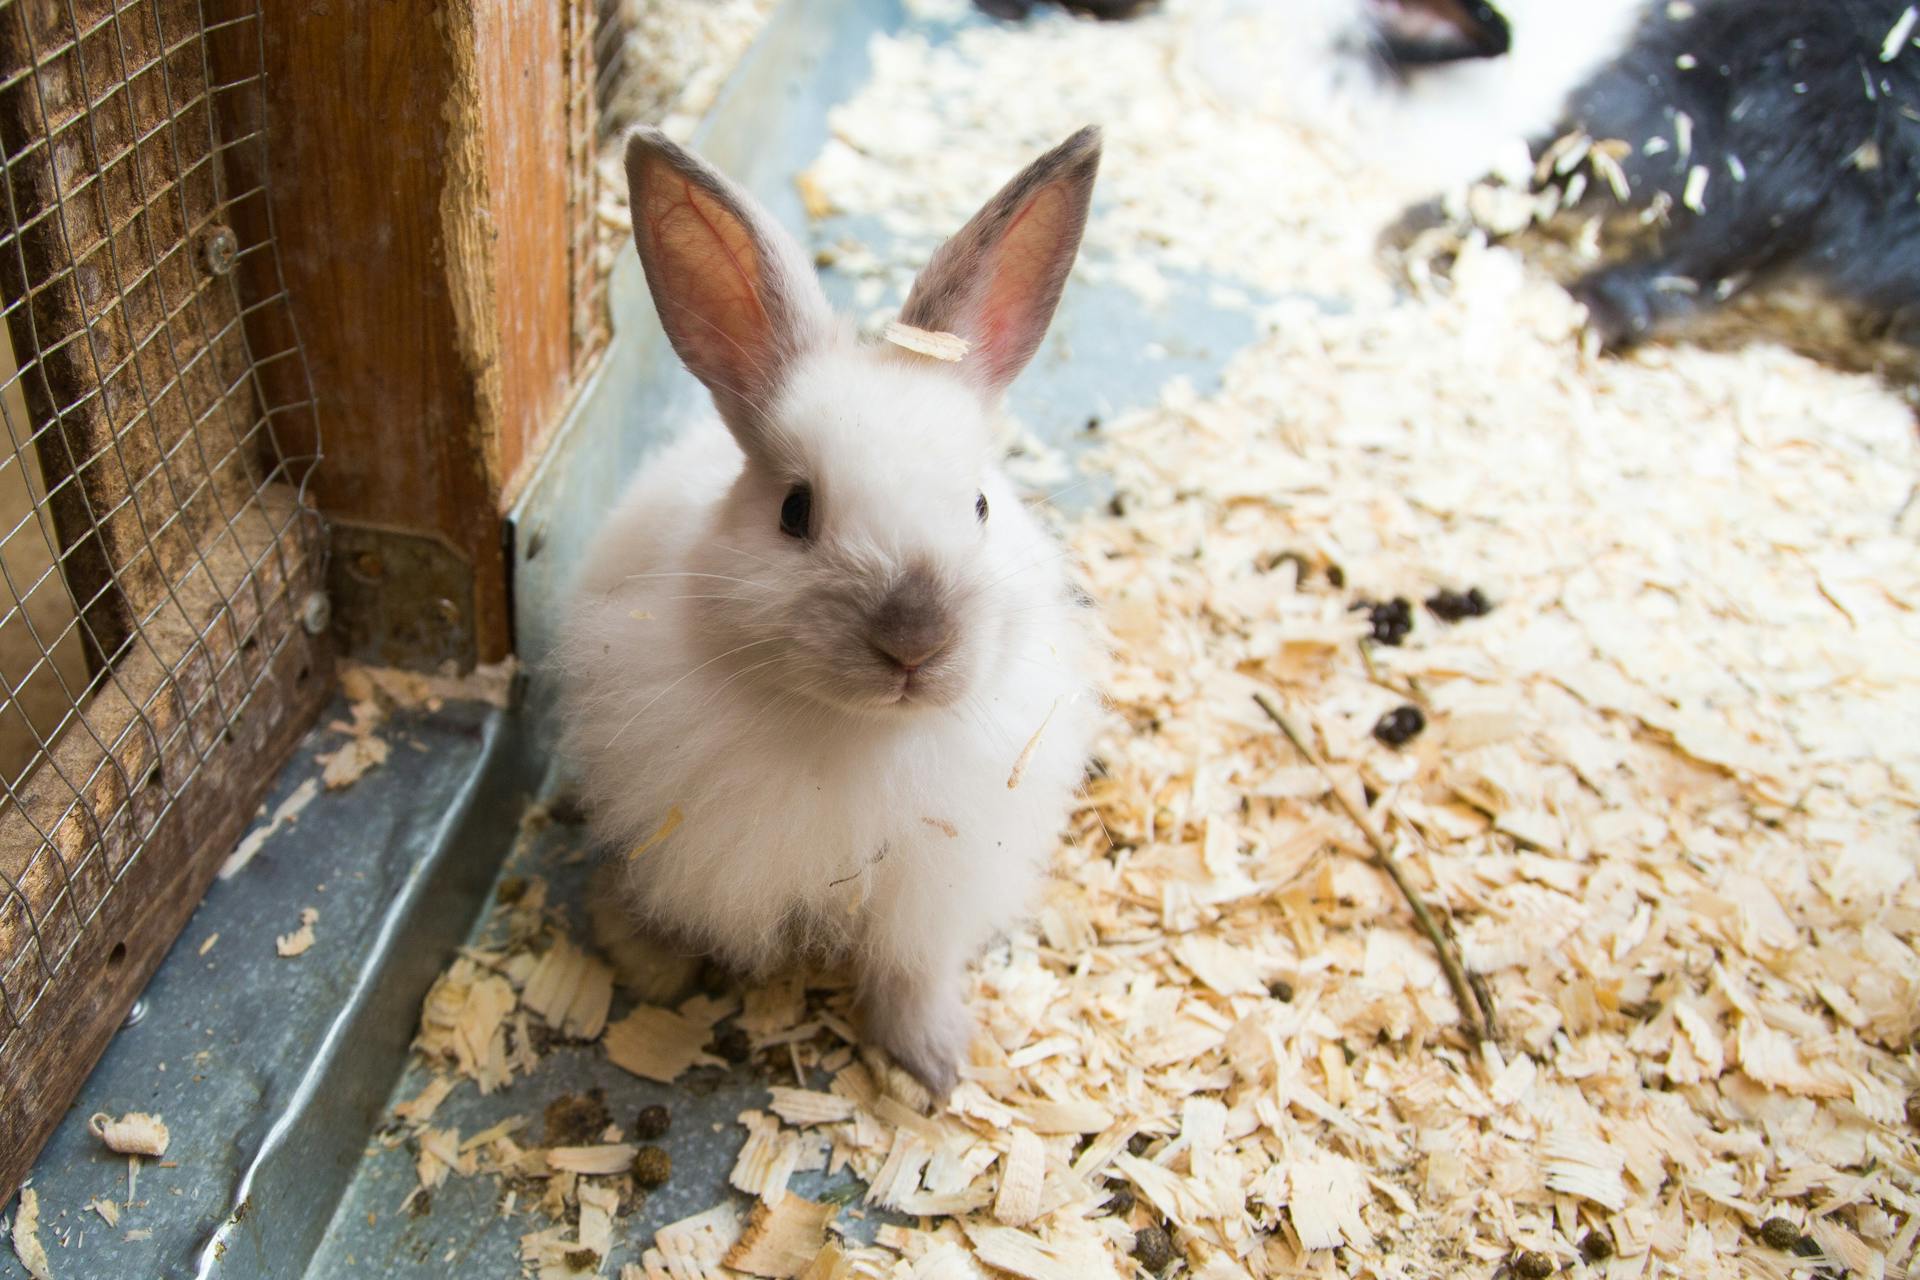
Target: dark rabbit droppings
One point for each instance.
(1336, 577)
(1457, 606)
(1392, 620)
(652, 1167)
(1596, 1246)
(1779, 1233)
(1120, 1203)
(1533, 1265)
(733, 1045)
(567, 809)
(714, 980)
(1400, 726)
(580, 1259)
(1152, 1248)
(576, 1120)
(1281, 990)
(1138, 1144)
(652, 1123)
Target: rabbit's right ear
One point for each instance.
(735, 293)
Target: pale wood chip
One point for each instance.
(571, 991)
(438, 1156)
(134, 1134)
(420, 1108)
(461, 1022)
(1326, 1193)
(1022, 1169)
(948, 347)
(694, 1248)
(899, 1175)
(1582, 1165)
(286, 812)
(768, 1158)
(1033, 744)
(1066, 1117)
(26, 1236)
(300, 940)
(809, 1107)
(599, 1203)
(658, 1044)
(349, 762)
(782, 1238)
(605, 1158)
(1022, 1254)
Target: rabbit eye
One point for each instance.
(980, 507)
(796, 513)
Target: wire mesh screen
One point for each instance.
(155, 544)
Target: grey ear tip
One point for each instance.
(646, 138)
(1083, 148)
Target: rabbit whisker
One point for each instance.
(682, 680)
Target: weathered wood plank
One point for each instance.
(430, 241)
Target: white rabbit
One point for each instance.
(817, 635)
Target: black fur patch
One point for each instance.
(1810, 144)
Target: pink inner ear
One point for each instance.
(710, 294)
(1010, 320)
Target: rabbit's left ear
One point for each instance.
(997, 282)
(1425, 32)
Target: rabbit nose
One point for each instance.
(911, 625)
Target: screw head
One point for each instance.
(136, 1013)
(222, 250)
(316, 611)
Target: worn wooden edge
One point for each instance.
(137, 925)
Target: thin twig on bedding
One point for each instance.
(1476, 1005)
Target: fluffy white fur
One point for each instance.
(1453, 123)
(702, 675)
(1436, 126)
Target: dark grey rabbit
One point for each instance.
(1779, 138)
(1786, 136)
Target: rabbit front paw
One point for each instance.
(925, 1029)
(1620, 308)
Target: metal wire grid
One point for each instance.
(158, 546)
